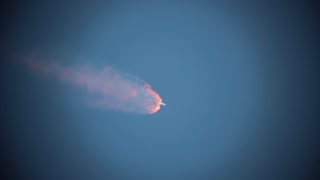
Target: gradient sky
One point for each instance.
(238, 80)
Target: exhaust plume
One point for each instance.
(116, 90)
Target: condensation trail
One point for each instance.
(116, 90)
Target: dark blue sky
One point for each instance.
(238, 80)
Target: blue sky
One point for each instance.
(232, 77)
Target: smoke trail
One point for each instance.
(116, 90)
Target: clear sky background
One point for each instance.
(238, 78)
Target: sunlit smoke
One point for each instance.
(116, 90)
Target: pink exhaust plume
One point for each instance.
(117, 91)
